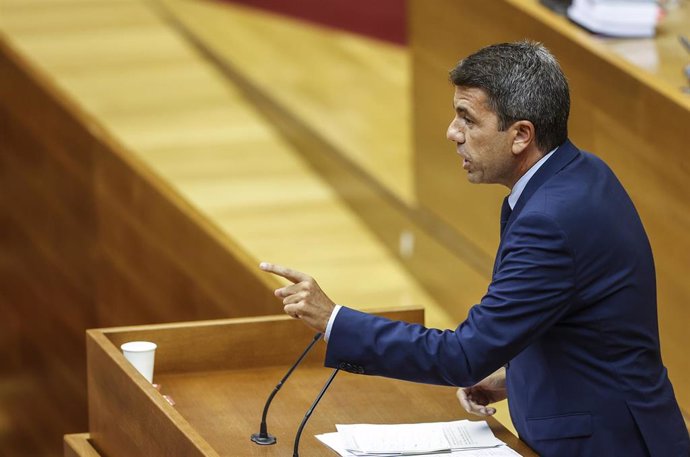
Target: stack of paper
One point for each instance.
(620, 18)
(465, 438)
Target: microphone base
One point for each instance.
(265, 440)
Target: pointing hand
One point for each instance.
(303, 299)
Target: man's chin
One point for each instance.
(473, 178)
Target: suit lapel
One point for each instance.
(565, 154)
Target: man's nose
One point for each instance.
(454, 133)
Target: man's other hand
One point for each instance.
(303, 299)
(490, 390)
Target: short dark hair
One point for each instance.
(522, 81)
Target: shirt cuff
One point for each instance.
(329, 326)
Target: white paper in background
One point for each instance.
(417, 438)
(335, 442)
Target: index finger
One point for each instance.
(287, 273)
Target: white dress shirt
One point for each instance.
(520, 185)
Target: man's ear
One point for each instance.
(524, 136)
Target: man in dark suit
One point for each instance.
(567, 330)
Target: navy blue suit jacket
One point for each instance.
(570, 311)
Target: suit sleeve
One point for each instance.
(533, 287)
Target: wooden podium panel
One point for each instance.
(219, 373)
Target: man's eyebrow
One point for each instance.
(462, 109)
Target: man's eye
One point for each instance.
(467, 120)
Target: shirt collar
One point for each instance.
(519, 186)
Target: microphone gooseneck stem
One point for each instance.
(263, 437)
(295, 452)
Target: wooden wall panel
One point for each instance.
(635, 122)
(155, 243)
(46, 282)
(88, 238)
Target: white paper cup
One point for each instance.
(141, 354)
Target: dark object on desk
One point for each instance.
(685, 42)
(558, 6)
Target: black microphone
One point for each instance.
(263, 437)
(295, 451)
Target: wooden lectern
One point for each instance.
(219, 374)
